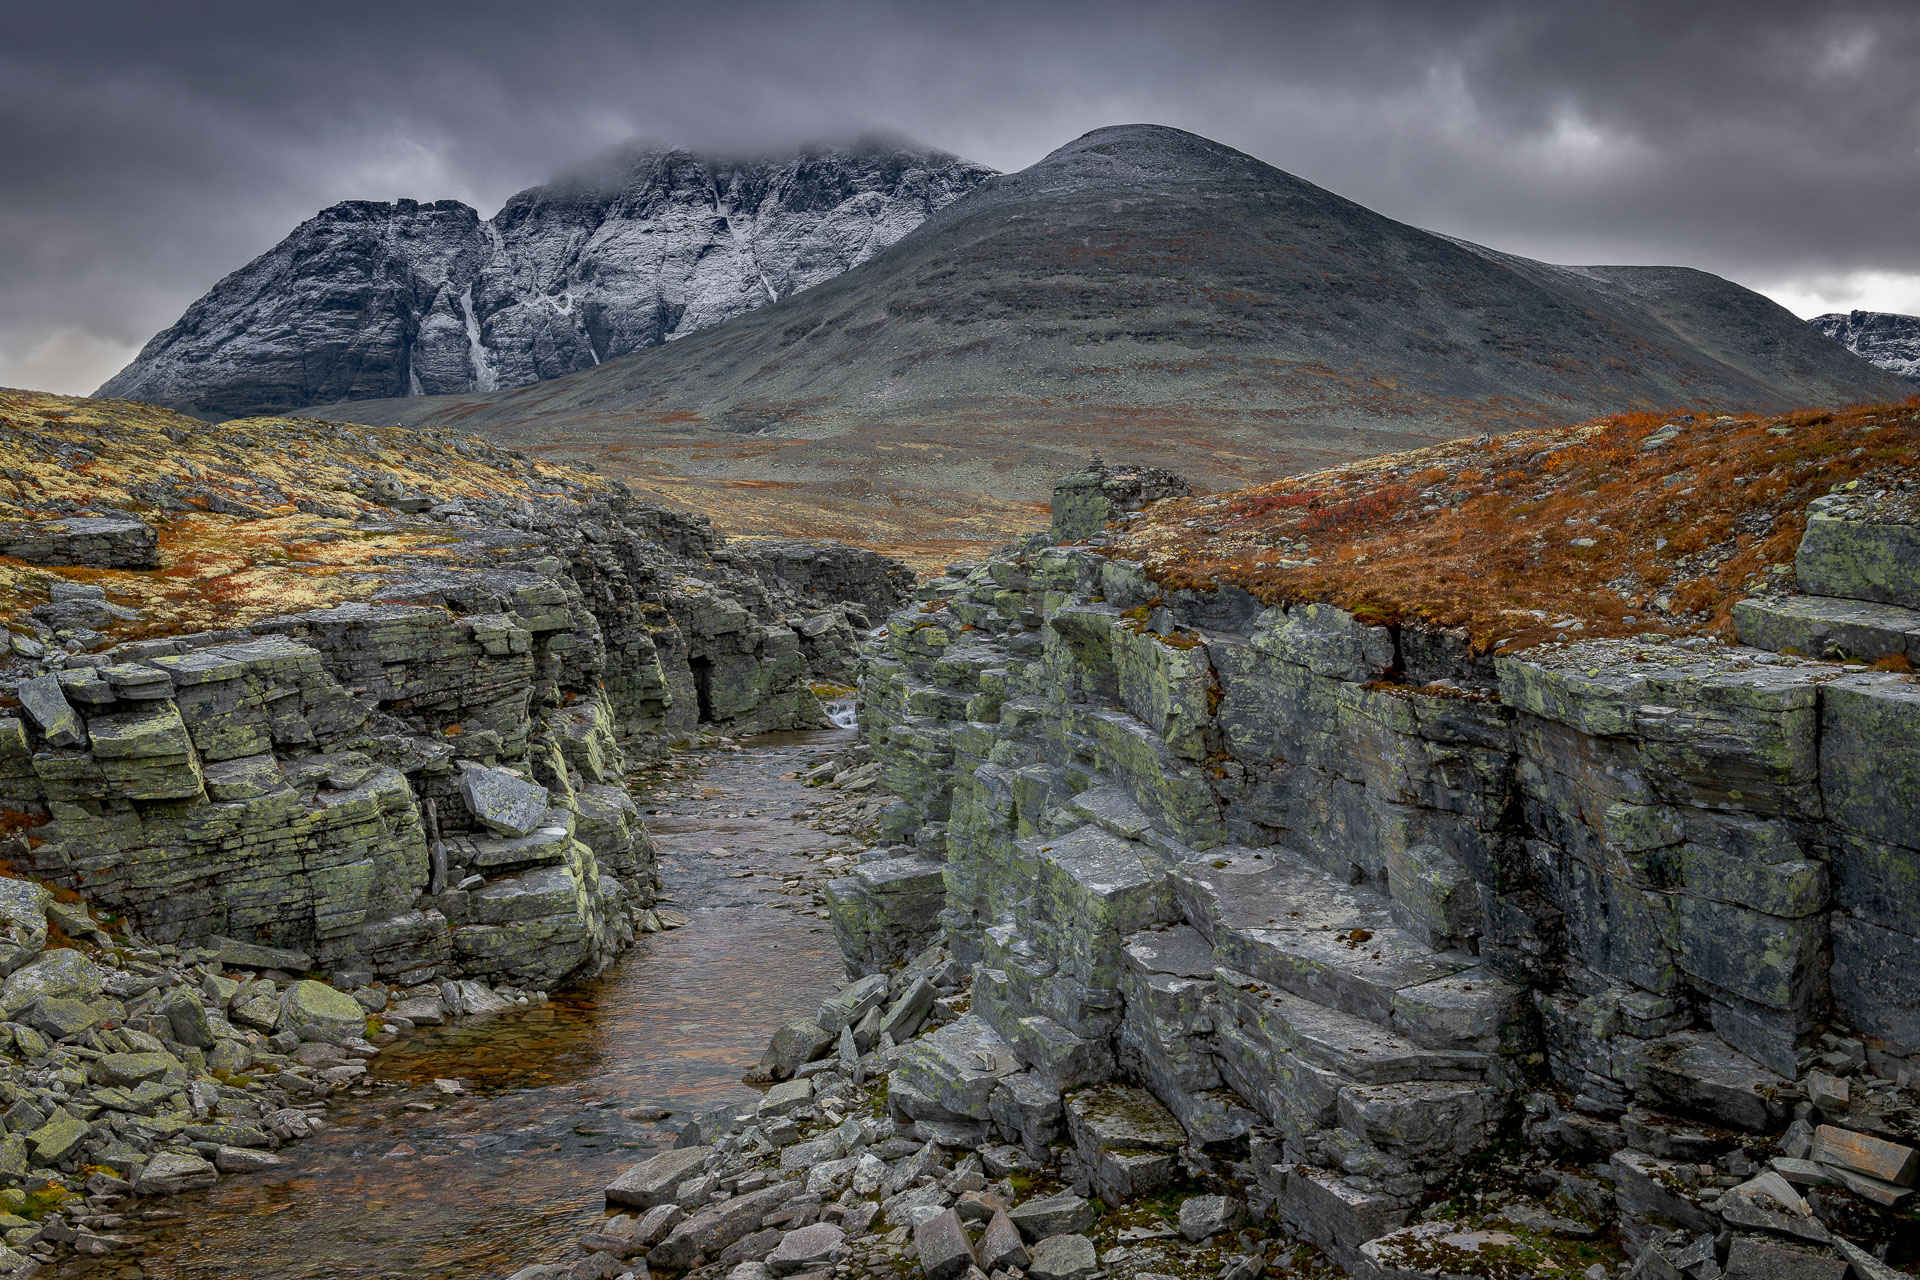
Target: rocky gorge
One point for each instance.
(240, 858)
(1190, 929)
(1213, 936)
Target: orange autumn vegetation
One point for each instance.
(1594, 529)
(295, 490)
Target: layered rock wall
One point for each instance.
(1352, 901)
(428, 784)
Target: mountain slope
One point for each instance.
(1154, 296)
(372, 299)
(1888, 340)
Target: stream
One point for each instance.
(411, 1182)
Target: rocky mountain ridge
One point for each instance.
(1889, 340)
(1146, 291)
(372, 299)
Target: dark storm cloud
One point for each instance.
(148, 149)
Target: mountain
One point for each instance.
(373, 299)
(1888, 340)
(1158, 298)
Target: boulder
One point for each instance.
(1063, 1258)
(1063, 1214)
(652, 1183)
(502, 800)
(708, 1232)
(940, 1242)
(784, 1097)
(63, 1018)
(46, 705)
(1000, 1246)
(811, 1248)
(792, 1047)
(61, 973)
(57, 1138)
(129, 1069)
(188, 1017)
(315, 1011)
(170, 1173)
(1204, 1217)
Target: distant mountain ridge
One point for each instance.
(373, 299)
(1889, 340)
(1158, 297)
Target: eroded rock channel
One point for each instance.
(411, 1178)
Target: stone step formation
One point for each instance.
(1859, 570)
(1340, 907)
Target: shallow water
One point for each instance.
(510, 1172)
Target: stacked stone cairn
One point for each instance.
(1603, 957)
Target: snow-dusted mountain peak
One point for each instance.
(634, 248)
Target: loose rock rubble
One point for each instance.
(830, 1174)
(132, 1070)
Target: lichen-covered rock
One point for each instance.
(59, 974)
(316, 1011)
(1862, 546)
(97, 542)
(503, 800)
(23, 922)
(1304, 876)
(170, 1173)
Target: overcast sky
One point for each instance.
(147, 149)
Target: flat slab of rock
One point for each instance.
(1063, 1258)
(808, 1249)
(785, 1097)
(96, 542)
(1863, 1153)
(502, 800)
(250, 955)
(170, 1173)
(1752, 1258)
(652, 1183)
